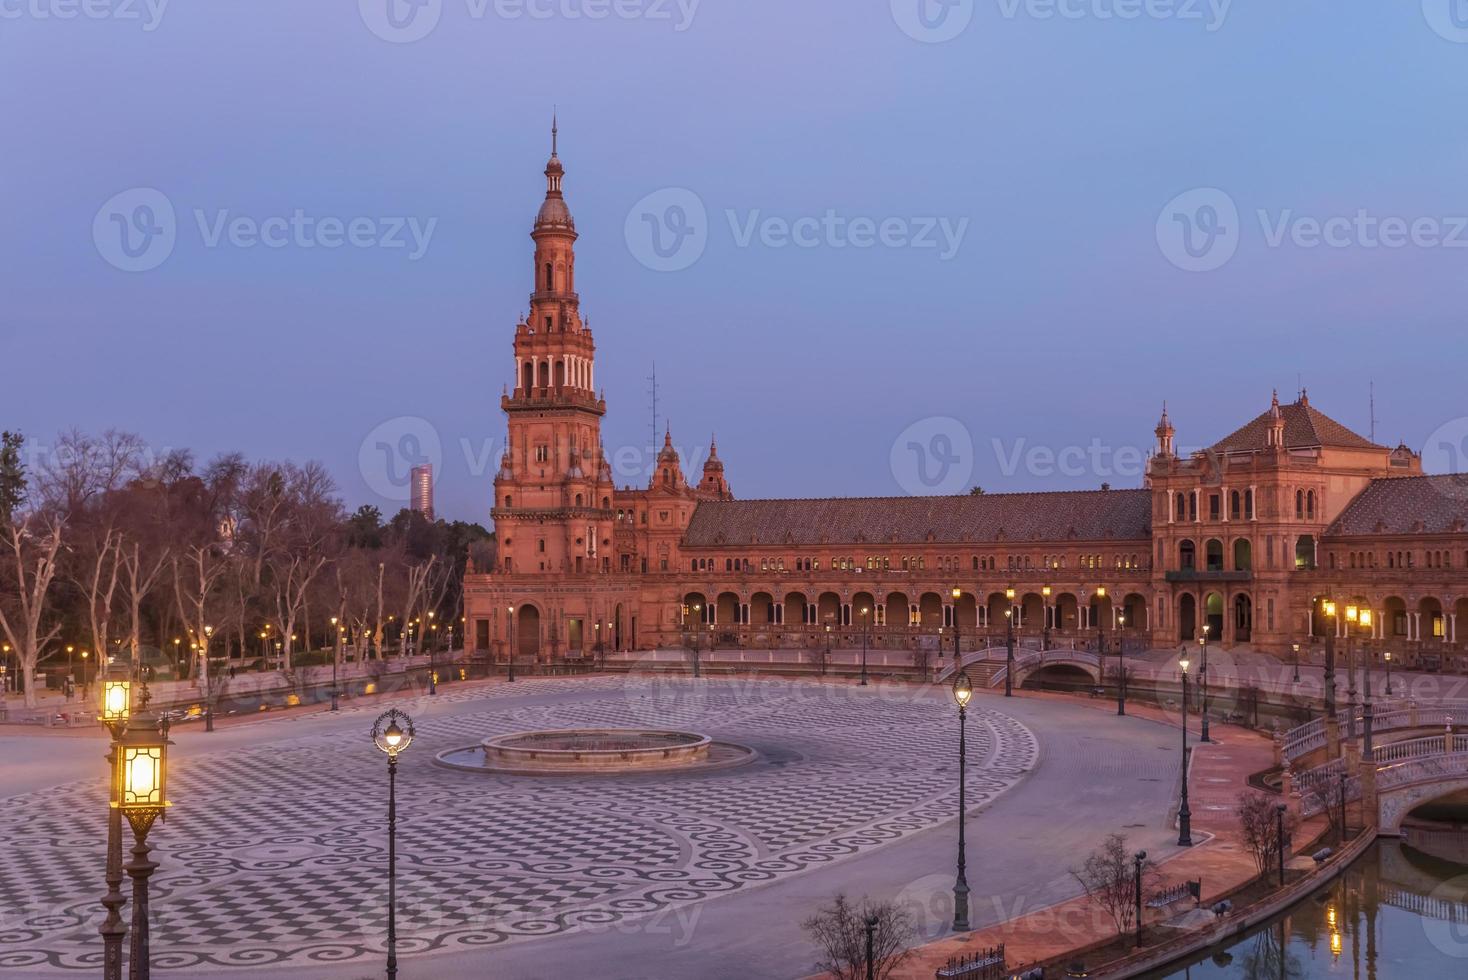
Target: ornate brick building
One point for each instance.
(1245, 538)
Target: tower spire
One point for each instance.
(555, 129)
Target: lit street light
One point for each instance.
(392, 733)
(963, 691)
(1184, 815)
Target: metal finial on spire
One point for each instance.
(555, 129)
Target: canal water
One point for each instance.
(1399, 913)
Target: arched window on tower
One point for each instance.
(550, 277)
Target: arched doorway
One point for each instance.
(1305, 553)
(1187, 618)
(966, 612)
(695, 609)
(1214, 555)
(727, 611)
(895, 611)
(1213, 611)
(795, 605)
(828, 610)
(761, 609)
(1243, 617)
(617, 629)
(930, 609)
(527, 631)
(1135, 607)
(1243, 555)
(860, 601)
(1067, 612)
(1033, 610)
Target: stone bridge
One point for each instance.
(1402, 776)
(988, 668)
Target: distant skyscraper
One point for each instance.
(421, 488)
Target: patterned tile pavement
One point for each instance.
(276, 854)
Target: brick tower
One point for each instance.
(553, 493)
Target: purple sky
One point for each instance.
(1057, 326)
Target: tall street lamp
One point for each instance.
(1368, 754)
(957, 655)
(392, 733)
(336, 656)
(1045, 620)
(139, 780)
(963, 691)
(864, 612)
(1387, 655)
(1332, 721)
(113, 711)
(1120, 670)
(697, 614)
(1203, 735)
(1101, 639)
(511, 668)
(1352, 615)
(1296, 661)
(1185, 815)
(1009, 644)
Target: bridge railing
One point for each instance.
(1041, 658)
(1304, 739)
(1426, 769)
(1321, 779)
(1386, 716)
(1415, 748)
(1427, 906)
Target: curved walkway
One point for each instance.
(273, 853)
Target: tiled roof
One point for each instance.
(1305, 428)
(1091, 515)
(1407, 505)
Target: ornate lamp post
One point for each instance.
(511, 651)
(1203, 735)
(957, 655)
(1332, 720)
(864, 612)
(139, 782)
(1045, 621)
(336, 656)
(1184, 815)
(697, 613)
(827, 658)
(1009, 644)
(1120, 671)
(1387, 655)
(392, 733)
(1352, 615)
(1368, 754)
(1296, 661)
(114, 709)
(963, 691)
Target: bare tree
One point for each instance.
(31, 545)
(95, 574)
(417, 580)
(840, 930)
(1109, 877)
(1259, 824)
(197, 573)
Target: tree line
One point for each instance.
(107, 548)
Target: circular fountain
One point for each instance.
(596, 751)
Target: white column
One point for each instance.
(1452, 627)
(1254, 499)
(1171, 506)
(1223, 503)
(517, 374)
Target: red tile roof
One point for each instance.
(1092, 515)
(1305, 428)
(1407, 505)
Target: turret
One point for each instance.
(713, 486)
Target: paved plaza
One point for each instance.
(273, 857)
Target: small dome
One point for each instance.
(555, 213)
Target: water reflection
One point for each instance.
(1399, 913)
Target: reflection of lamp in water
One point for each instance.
(1335, 944)
(1330, 917)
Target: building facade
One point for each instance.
(1243, 541)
